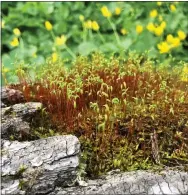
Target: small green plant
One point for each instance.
(21, 184)
(22, 168)
(11, 137)
(127, 113)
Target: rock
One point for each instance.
(14, 127)
(24, 110)
(3, 105)
(11, 187)
(134, 182)
(11, 96)
(16, 119)
(37, 167)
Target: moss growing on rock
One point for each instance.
(128, 114)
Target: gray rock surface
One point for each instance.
(16, 119)
(135, 182)
(37, 167)
(2, 104)
(24, 110)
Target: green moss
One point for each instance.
(128, 114)
(22, 168)
(21, 184)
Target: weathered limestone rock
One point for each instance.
(15, 127)
(16, 119)
(135, 182)
(37, 167)
(24, 110)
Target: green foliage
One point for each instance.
(21, 184)
(36, 42)
(22, 168)
(128, 113)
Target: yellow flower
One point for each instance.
(158, 31)
(181, 35)
(172, 8)
(88, 24)
(139, 29)
(48, 25)
(176, 42)
(151, 27)
(14, 42)
(184, 75)
(123, 31)
(16, 31)
(81, 18)
(60, 40)
(159, 3)
(117, 10)
(95, 26)
(163, 25)
(3, 24)
(54, 57)
(153, 13)
(105, 12)
(163, 47)
(169, 38)
(173, 41)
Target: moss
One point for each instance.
(22, 184)
(21, 170)
(128, 114)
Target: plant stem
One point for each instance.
(115, 31)
(84, 34)
(90, 34)
(22, 46)
(70, 51)
(53, 35)
(101, 37)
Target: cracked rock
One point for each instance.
(35, 171)
(134, 182)
(16, 119)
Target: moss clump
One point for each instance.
(128, 114)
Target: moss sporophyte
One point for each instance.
(114, 107)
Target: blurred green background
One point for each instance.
(34, 31)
